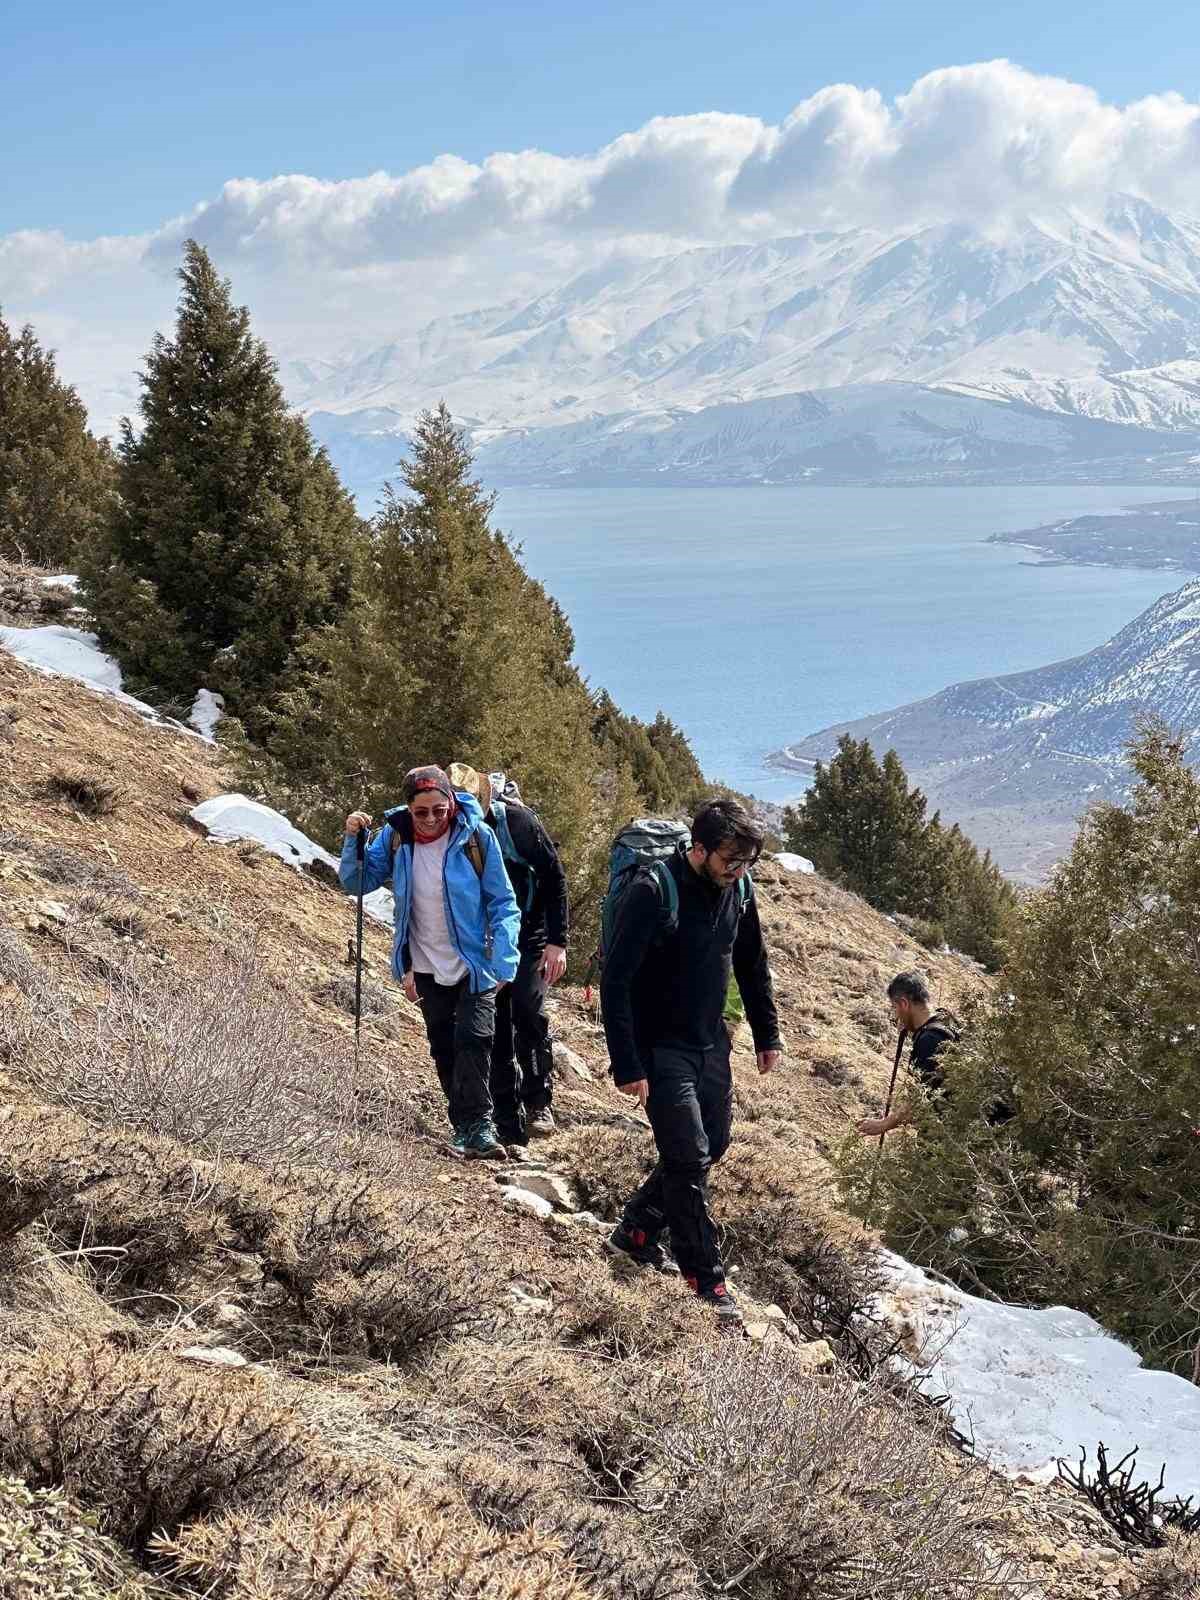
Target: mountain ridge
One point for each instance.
(1016, 759)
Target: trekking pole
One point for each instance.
(887, 1111)
(360, 850)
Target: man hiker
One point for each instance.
(930, 1031)
(455, 941)
(663, 992)
(522, 1059)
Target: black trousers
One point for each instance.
(460, 1027)
(522, 1059)
(690, 1107)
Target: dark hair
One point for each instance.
(719, 821)
(912, 986)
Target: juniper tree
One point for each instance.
(233, 541)
(55, 478)
(1090, 1195)
(451, 651)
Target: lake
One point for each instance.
(754, 616)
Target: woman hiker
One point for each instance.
(456, 928)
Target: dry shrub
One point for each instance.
(87, 791)
(778, 1484)
(340, 992)
(47, 1294)
(412, 1541)
(527, 1392)
(145, 1439)
(632, 1314)
(606, 1164)
(1172, 1573)
(217, 1060)
(50, 1550)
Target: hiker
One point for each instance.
(663, 992)
(930, 1031)
(522, 1057)
(455, 943)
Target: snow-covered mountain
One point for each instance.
(1016, 759)
(1062, 317)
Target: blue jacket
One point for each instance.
(482, 914)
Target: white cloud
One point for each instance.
(365, 255)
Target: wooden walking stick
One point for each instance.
(887, 1111)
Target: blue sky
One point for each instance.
(116, 117)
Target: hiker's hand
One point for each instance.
(872, 1127)
(638, 1087)
(554, 963)
(410, 987)
(768, 1060)
(357, 820)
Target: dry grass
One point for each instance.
(801, 1489)
(1170, 1574)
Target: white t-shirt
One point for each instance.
(428, 936)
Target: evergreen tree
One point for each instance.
(450, 652)
(233, 541)
(55, 478)
(861, 824)
(1090, 1195)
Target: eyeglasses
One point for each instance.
(430, 813)
(736, 863)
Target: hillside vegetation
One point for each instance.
(257, 1324)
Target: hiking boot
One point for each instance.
(720, 1297)
(458, 1140)
(482, 1143)
(636, 1245)
(539, 1124)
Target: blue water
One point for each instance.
(756, 616)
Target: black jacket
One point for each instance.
(928, 1042)
(669, 989)
(540, 887)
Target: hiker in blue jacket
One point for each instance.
(455, 945)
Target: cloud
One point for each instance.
(978, 144)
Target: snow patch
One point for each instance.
(1031, 1387)
(63, 580)
(206, 712)
(791, 862)
(231, 818)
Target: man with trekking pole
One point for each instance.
(681, 923)
(455, 940)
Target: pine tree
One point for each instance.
(55, 478)
(233, 542)
(861, 824)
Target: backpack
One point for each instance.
(508, 849)
(647, 844)
(402, 833)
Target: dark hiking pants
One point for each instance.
(460, 1026)
(522, 1062)
(690, 1107)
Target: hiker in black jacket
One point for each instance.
(663, 996)
(522, 1059)
(931, 1031)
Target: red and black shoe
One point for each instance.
(636, 1245)
(720, 1297)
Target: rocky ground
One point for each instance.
(274, 1341)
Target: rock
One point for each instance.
(551, 1186)
(815, 1356)
(52, 911)
(565, 1057)
(529, 1304)
(526, 1200)
(587, 1219)
(229, 1315)
(217, 1356)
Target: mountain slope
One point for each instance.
(1016, 759)
(1079, 318)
